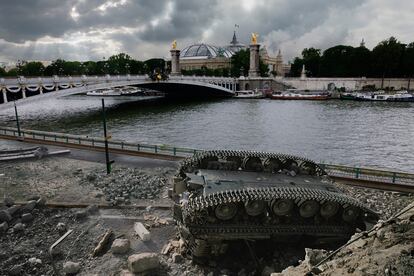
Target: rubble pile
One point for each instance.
(26, 232)
(125, 184)
(388, 249)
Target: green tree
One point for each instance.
(408, 63)
(33, 68)
(336, 61)
(360, 62)
(296, 67)
(312, 58)
(387, 57)
(2, 72)
(119, 64)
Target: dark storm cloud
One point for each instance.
(30, 19)
(45, 29)
(187, 19)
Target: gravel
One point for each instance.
(385, 203)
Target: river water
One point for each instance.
(370, 134)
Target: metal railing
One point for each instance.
(368, 174)
(356, 173)
(96, 142)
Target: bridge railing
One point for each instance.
(369, 174)
(97, 142)
(68, 79)
(346, 172)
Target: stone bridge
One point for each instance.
(28, 89)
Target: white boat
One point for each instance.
(399, 96)
(104, 93)
(130, 90)
(249, 94)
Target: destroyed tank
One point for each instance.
(223, 196)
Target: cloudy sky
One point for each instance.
(93, 29)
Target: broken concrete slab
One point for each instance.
(120, 246)
(143, 262)
(141, 231)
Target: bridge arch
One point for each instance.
(36, 89)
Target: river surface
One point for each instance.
(370, 134)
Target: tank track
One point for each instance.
(193, 163)
(194, 212)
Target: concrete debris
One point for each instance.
(5, 216)
(70, 268)
(61, 227)
(142, 232)
(143, 262)
(102, 243)
(35, 261)
(28, 217)
(125, 184)
(120, 246)
(155, 221)
(18, 227)
(314, 256)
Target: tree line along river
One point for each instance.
(367, 134)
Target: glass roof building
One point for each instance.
(204, 51)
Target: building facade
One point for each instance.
(199, 56)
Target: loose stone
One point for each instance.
(5, 216)
(27, 217)
(18, 227)
(71, 268)
(120, 246)
(143, 262)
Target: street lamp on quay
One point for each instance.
(127, 68)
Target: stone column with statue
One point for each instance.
(175, 60)
(254, 70)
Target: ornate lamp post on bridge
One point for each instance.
(175, 60)
(254, 57)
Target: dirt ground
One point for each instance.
(65, 180)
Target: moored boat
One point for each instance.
(130, 90)
(299, 96)
(249, 94)
(347, 96)
(104, 93)
(400, 96)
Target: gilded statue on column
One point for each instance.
(174, 44)
(254, 38)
